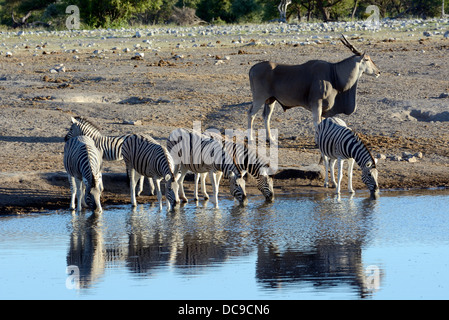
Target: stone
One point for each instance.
(418, 155)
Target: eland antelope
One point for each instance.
(322, 87)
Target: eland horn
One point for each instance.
(350, 46)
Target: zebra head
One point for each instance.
(93, 194)
(237, 187)
(369, 177)
(265, 184)
(171, 191)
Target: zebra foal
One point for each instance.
(202, 154)
(83, 161)
(338, 142)
(144, 156)
(111, 146)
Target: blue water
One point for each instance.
(299, 247)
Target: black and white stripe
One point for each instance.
(248, 160)
(82, 161)
(111, 146)
(144, 156)
(338, 142)
(198, 153)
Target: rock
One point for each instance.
(126, 50)
(137, 35)
(395, 158)
(412, 159)
(427, 34)
(446, 34)
(406, 155)
(8, 54)
(444, 95)
(418, 155)
(381, 156)
(133, 122)
(53, 70)
(138, 56)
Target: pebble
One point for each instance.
(133, 122)
(8, 54)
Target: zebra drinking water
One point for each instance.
(111, 146)
(82, 161)
(338, 142)
(248, 160)
(200, 154)
(144, 156)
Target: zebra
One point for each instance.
(248, 160)
(83, 161)
(111, 146)
(337, 141)
(144, 156)
(201, 154)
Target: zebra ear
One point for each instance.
(243, 173)
(73, 119)
(167, 177)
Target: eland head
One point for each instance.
(366, 64)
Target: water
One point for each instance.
(299, 247)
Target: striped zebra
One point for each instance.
(201, 154)
(144, 156)
(83, 161)
(248, 160)
(338, 142)
(111, 146)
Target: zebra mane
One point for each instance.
(85, 122)
(363, 141)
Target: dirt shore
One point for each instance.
(405, 110)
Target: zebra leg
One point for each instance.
(350, 168)
(340, 174)
(195, 191)
(158, 191)
(180, 180)
(80, 194)
(150, 181)
(326, 171)
(132, 185)
(203, 186)
(267, 112)
(213, 180)
(332, 171)
(72, 192)
(141, 181)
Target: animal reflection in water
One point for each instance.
(325, 250)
